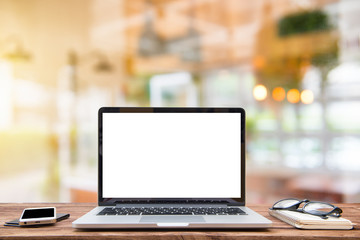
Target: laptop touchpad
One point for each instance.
(172, 219)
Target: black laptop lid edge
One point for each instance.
(113, 201)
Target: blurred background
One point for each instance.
(294, 65)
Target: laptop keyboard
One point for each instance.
(171, 211)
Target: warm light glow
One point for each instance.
(260, 92)
(259, 62)
(6, 82)
(278, 94)
(293, 96)
(307, 96)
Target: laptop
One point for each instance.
(171, 168)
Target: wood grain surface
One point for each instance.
(63, 229)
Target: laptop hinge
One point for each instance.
(170, 205)
(177, 205)
(235, 204)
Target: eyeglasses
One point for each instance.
(321, 209)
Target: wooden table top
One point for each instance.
(63, 229)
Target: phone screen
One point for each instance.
(39, 213)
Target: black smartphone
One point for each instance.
(59, 217)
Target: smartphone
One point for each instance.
(37, 216)
(59, 217)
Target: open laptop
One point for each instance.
(171, 168)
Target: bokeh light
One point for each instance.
(307, 97)
(278, 94)
(260, 92)
(293, 96)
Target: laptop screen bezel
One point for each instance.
(113, 201)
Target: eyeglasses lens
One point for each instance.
(286, 203)
(319, 208)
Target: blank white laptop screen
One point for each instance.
(171, 155)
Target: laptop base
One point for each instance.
(92, 221)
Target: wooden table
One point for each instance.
(63, 229)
